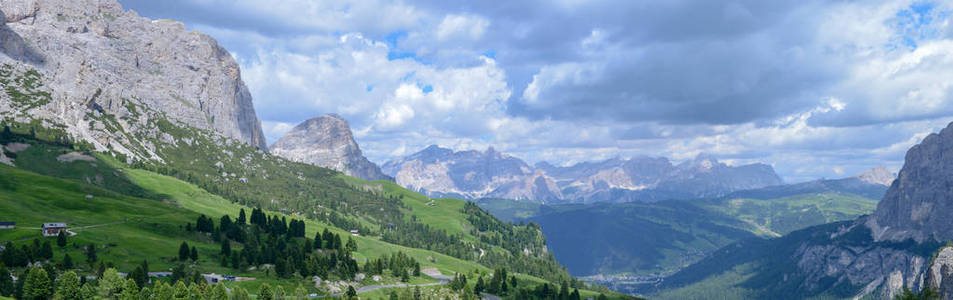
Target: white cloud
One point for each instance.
(457, 26)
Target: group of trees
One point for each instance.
(398, 263)
(186, 253)
(15, 257)
(276, 241)
(40, 285)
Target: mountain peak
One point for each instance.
(878, 175)
(327, 141)
(917, 204)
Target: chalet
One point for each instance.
(354, 232)
(53, 229)
(216, 278)
(8, 225)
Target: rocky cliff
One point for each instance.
(472, 174)
(327, 141)
(892, 248)
(93, 61)
(918, 204)
(492, 174)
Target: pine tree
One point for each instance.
(279, 293)
(67, 286)
(37, 285)
(91, 254)
(226, 247)
(67, 262)
(240, 294)
(241, 217)
(218, 292)
(111, 285)
(184, 251)
(145, 293)
(479, 287)
(194, 255)
(351, 245)
(196, 292)
(575, 295)
(164, 291)
(180, 290)
(265, 293)
(416, 269)
(46, 251)
(6, 282)
(61, 239)
(417, 295)
(351, 293)
(88, 291)
(130, 291)
(300, 292)
(393, 295)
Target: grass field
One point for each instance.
(150, 225)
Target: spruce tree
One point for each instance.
(130, 291)
(61, 239)
(6, 281)
(37, 285)
(67, 262)
(91, 254)
(194, 254)
(265, 293)
(218, 292)
(184, 251)
(68, 286)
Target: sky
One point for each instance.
(817, 89)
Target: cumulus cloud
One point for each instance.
(815, 88)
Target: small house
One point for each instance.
(8, 225)
(354, 232)
(53, 229)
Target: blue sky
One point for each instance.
(814, 88)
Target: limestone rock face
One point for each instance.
(492, 174)
(878, 175)
(940, 276)
(93, 55)
(327, 141)
(919, 203)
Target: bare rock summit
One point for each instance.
(327, 141)
(99, 61)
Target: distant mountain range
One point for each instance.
(902, 244)
(648, 240)
(442, 172)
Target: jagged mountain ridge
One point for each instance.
(327, 141)
(98, 60)
(491, 174)
(471, 174)
(873, 256)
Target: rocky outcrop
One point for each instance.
(439, 171)
(940, 275)
(327, 141)
(878, 175)
(96, 59)
(491, 174)
(917, 206)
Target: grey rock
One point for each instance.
(441, 172)
(917, 205)
(878, 175)
(327, 141)
(491, 174)
(95, 56)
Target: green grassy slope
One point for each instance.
(647, 239)
(150, 226)
(784, 215)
